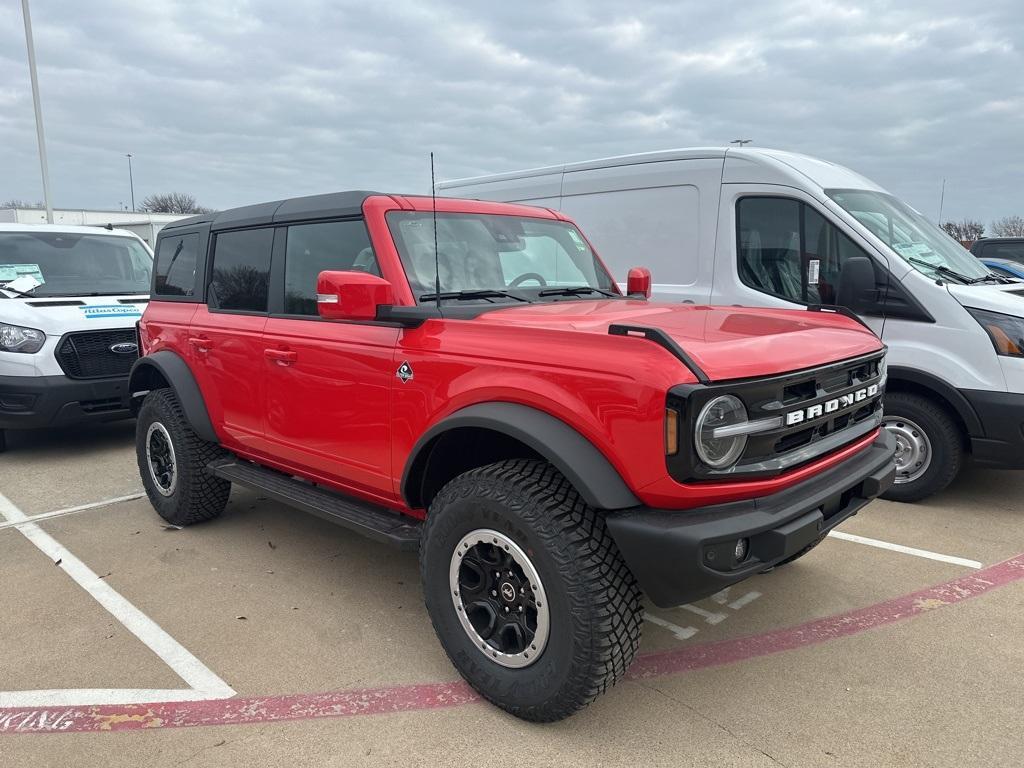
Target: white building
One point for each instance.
(145, 225)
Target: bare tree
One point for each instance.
(173, 202)
(966, 230)
(1008, 226)
(16, 203)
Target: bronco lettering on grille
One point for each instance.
(828, 407)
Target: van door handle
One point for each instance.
(281, 356)
(200, 344)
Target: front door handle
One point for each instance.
(281, 356)
(200, 344)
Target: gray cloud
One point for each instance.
(244, 101)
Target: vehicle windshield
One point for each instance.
(910, 235)
(498, 258)
(71, 264)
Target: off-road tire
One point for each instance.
(198, 495)
(947, 445)
(594, 602)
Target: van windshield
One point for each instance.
(911, 236)
(72, 264)
(491, 258)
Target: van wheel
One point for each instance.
(526, 590)
(929, 446)
(172, 462)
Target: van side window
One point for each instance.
(787, 249)
(176, 266)
(241, 270)
(315, 248)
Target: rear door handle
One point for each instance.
(200, 344)
(281, 356)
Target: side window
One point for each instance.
(315, 248)
(176, 266)
(241, 270)
(1011, 251)
(787, 249)
(768, 232)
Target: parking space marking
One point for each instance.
(682, 633)
(204, 684)
(74, 510)
(430, 696)
(905, 550)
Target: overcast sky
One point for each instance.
(240, 102)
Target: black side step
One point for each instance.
(373, 521)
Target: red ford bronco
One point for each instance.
(471, 383)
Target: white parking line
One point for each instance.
(905, 550)
(204, 684)
(73, 510)
(683, 633)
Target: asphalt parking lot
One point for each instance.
(269, 637)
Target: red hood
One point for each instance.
(727, 342)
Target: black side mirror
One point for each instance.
(856, 285)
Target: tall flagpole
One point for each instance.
(39, 110)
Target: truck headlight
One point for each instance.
(14, 338)
(1006, 331)
(715, 446)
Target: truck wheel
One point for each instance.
(929, 446)
(172, 461)
(526, 590)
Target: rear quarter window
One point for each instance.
(176, 259)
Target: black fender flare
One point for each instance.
(950, 394)
(582, 463)
(175, 371)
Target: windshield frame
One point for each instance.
(592, 271)
(138, 254)
(894, 214)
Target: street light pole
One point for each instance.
(131, 183)
(39, 110)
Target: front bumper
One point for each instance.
(1002, 423)
(681, 556)
(51, 401)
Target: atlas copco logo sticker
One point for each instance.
(829, 407)
(96, 311)
(404, 372)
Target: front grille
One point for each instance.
(87, 355)
(829, 417)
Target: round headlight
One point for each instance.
(722, 451)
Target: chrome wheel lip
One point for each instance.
(913, 448)
(156, 428)
(540, 638)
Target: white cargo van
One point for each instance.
(771, 228)
(69, 300)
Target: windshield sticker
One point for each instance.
(580, 245)
(10, 272)
(110, 310)
(912, 249)
(813, 268)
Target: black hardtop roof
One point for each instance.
(280, 211)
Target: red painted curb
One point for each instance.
(408, 698)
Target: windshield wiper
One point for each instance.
(944, 270)
(486, 293)
(577, 291)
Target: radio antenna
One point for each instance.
(437, 262)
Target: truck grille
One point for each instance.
(825, 409)
(88, 354)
